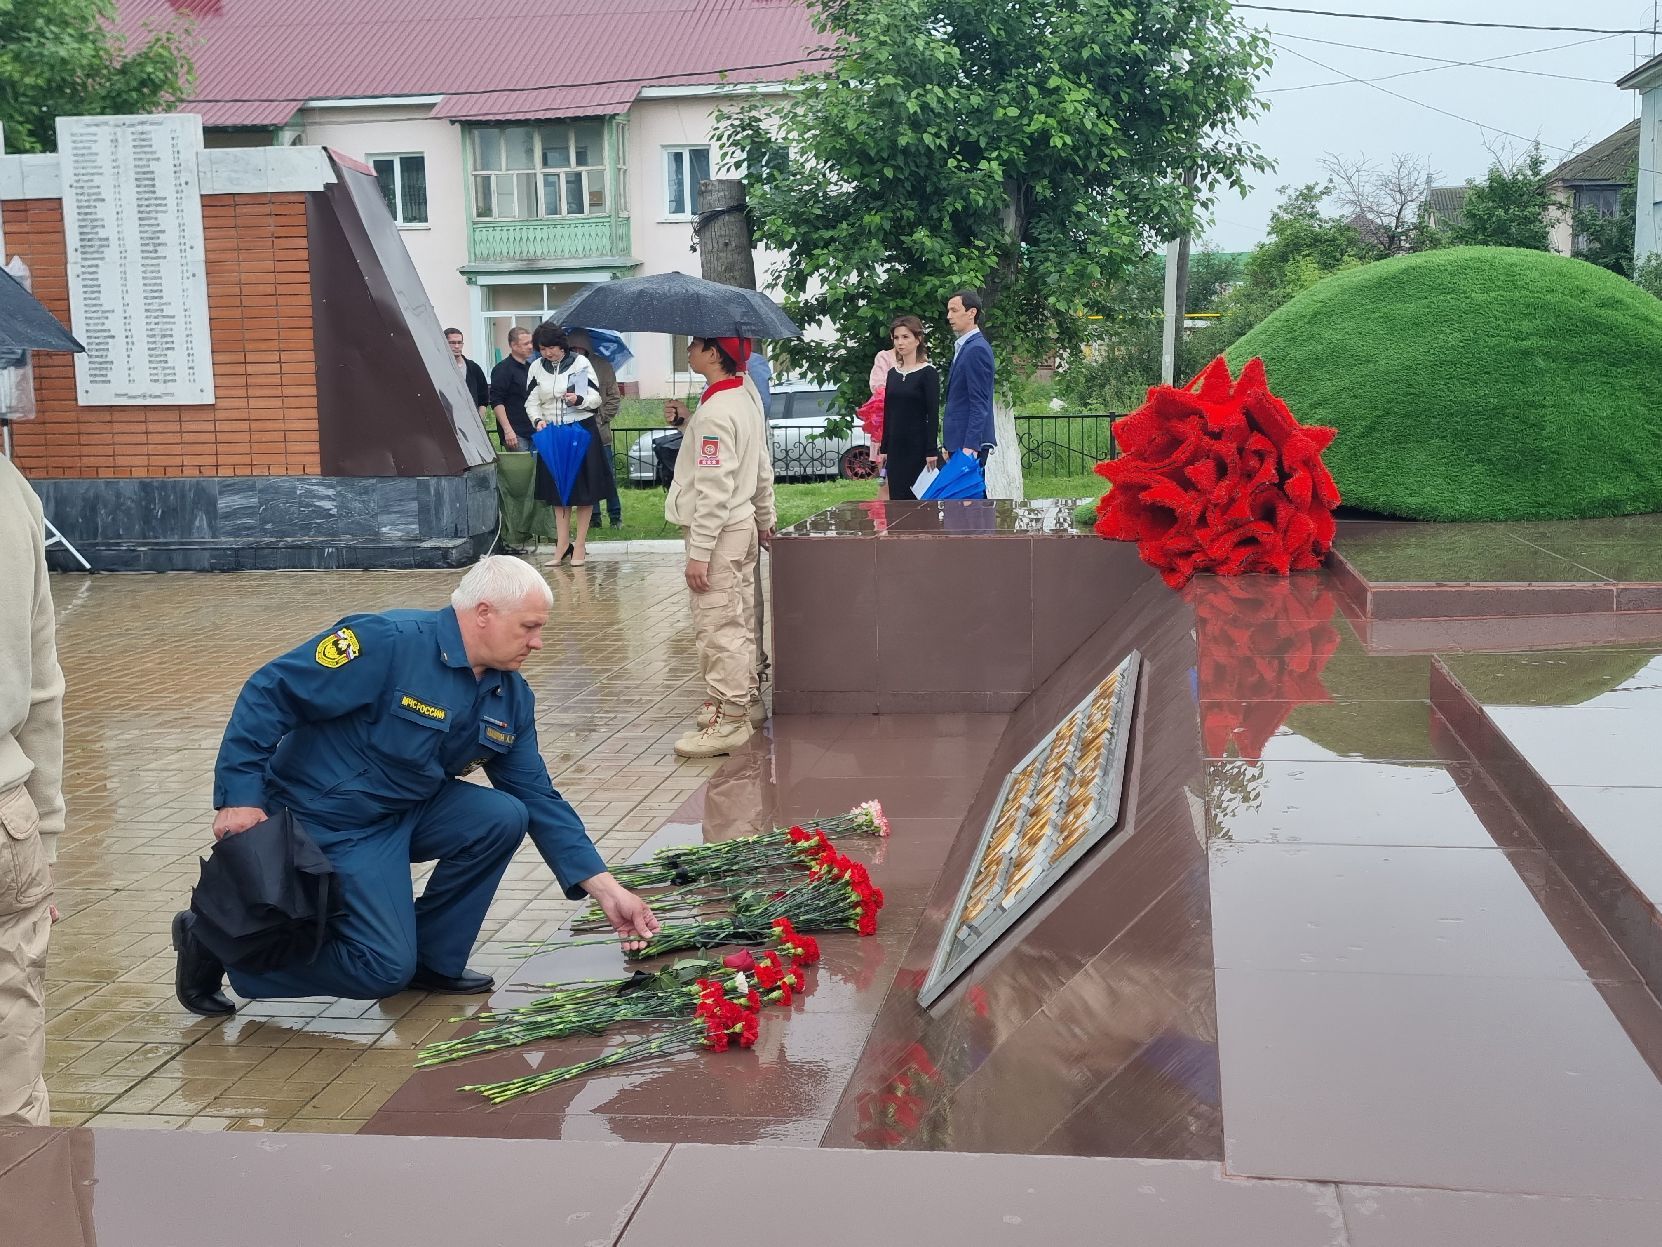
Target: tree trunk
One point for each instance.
(724, 249)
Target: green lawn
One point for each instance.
(643, 509)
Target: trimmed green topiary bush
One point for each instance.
(1477, 383)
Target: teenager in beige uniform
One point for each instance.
(722, 498)
(31, 797)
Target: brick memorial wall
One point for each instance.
(325, 426)
(263, 421)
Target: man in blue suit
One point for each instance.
(362, 733)
(968, 422)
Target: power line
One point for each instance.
(1443, 62)
(1444, 21)
(551, 86)
(1421, 103)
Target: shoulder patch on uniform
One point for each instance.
(338, 648)
(709, 452)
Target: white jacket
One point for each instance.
(546, 398)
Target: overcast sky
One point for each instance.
(1356, 120)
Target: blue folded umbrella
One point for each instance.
(562, 447)
(608, 345)
(959, 477)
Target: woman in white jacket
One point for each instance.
(565, 392)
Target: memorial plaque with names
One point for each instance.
(138, 282)
(1056, 804)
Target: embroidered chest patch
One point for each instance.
(427, 711)
(709, 452)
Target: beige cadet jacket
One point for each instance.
(31, 684)
(724, 470)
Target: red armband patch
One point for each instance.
(709, 452)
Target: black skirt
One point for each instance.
(590, 485)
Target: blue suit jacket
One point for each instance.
(968, 423)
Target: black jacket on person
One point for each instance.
(510, 380)
(474, 376)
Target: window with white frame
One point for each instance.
(523, 173)
(403, 178)
(684, 169)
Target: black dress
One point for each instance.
(911, 426)
(592, 482)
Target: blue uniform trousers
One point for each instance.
(373, 949)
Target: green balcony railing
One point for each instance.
(568, 238)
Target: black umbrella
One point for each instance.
(26, 325)
(265, 896)
(677, 303)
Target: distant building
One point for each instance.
(1445, 206)
(1647, 80)
(1592, 181)
(524, 149)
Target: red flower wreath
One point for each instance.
(1218, 476)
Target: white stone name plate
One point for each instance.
(138, 281)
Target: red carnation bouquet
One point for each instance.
(719, 1022)
(1219, 476)
(590, 1006)
(749, 855)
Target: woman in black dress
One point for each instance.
(911, 410)
(564, 390)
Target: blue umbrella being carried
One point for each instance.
(607, 345)
(561, 448)
(959, 477)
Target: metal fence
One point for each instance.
(799, 454)
(1064, 444)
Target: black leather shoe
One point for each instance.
(198, 977)
(467, 983)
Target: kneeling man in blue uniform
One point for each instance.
(363, 733)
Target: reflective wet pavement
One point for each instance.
(1337, 957)
(153, 664)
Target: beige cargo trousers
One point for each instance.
(724, 620)
(25, 923)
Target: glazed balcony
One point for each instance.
(538, 241)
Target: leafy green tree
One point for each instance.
(63, 58)
(1511, 207)
(1028, 149)
(1305, 243)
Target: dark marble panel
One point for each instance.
(397, 506)
(825, 621)
(953, 616)
(239, 507)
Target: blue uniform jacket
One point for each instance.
(358, 726)
(968, 421)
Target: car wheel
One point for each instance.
(856, 464)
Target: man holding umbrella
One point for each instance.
(722, 499)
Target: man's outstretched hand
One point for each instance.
(630, 916)
(235, 818)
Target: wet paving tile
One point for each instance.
(945, 1201)
(1419, 1080)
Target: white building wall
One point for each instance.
(662, 242)
(1649, 199)
(439, 249)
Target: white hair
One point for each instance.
(502, 581)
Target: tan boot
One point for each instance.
(757, 713)
(723, 736)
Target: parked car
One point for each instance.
(801, 450)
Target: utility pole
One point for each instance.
(724, 250)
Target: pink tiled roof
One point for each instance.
(257, 61)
